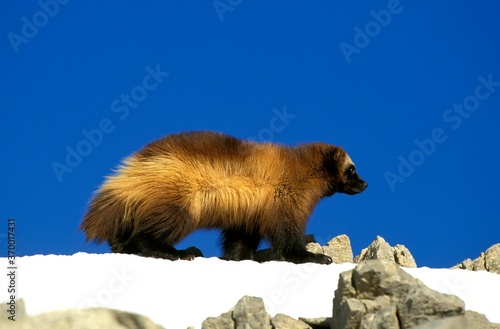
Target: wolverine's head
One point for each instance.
(341, 173)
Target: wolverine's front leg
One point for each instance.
(239, 244)
(287, 244)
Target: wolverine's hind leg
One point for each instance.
(239, 244)
(149, 246)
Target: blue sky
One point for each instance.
(411, 89)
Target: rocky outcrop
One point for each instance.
(379, 294)
(487, 261)
(339, 249)
(380, 249)
(249, 312)
(79, 318)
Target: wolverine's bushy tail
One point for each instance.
(104, 220)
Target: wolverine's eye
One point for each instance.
(351, 171)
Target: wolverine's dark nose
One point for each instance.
(358, 187)
(362, 185)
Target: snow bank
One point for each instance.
(184, 293)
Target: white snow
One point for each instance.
(184, 293)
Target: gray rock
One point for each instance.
(347, 314)
(376, 278)
(474, 320)
(18, 315)
(384, 318)
(479, 264)
(317, 323)
(380, 249)
(379, 294)
(339, 249)
(314, 247)
(347, 311)
(224, 320)
(282, 321)
(403, 257)
(422, 305)
(492, 259)
(377, 304)
(344, 286)
(357, 258)
(471, 320)
(455, 322)
(487, 261)
(465, 265)
(250, 312)
(85, 318)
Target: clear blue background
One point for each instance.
(228, 70)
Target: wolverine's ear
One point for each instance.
(332, 158)
(334, 153)
(337, 152)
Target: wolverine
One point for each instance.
(207, 180)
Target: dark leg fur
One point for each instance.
(147, 246)
(300, 256)
(288, 245)
(237, 244)
(297, 256)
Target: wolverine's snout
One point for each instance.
(355, 187)
(362, 185)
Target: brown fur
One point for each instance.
(187, 181)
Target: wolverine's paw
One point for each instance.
(308, 257)
(237, 258)
(296, 256)
(322, 259)
(266, 255)
(190, 253)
